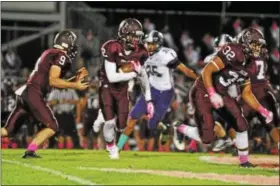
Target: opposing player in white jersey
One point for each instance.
(159, 67)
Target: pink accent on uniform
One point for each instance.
(110, 145)
(193, 145)
(150, 149)
(85, 145)
(14, 145)
(60, 145)
(181, 128)
(32, 147)
(126, 147)
(95, 145)
(243, 158)
(5, 143)
(263, 111)
(211, 91)
(69, 145)
(150, 110)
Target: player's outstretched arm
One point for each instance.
(214, 66)
(250, 99)
(113, 76)
(188, 72)
(56, 81)
(145, 86)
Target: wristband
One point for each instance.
(211, 91)
(263, 111)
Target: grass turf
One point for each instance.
(68, 161)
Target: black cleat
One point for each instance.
(247, 165)
(164, 134)
(30, 154)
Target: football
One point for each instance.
(126, 67)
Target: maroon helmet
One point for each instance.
(131, 32)
(252, 41)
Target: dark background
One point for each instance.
(196, 25)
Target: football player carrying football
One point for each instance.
(123, 60)
(159, 67)
(48, 72)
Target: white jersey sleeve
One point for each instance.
(171, 58)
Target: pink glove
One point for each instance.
(215, 98)
(137, 66)
(266, 114)
(150, 109)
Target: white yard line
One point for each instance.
(241, 179)
(52, 171)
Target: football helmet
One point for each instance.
(67, 40)
(131, 33)
(252, 41)
(153, 41)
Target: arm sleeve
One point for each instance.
(145, 84)
(131, 84)
(113, 76)
(174, 62)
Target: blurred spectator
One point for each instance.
(24, 73)
(12, 62)
(206, 46)
(148, 25)
(275, 62)
(237, 26)
(168, 38)
(192, 56)
(91, 52)
(208, 41)
(274, 30)
(185, 39)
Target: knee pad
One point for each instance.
(109, 130)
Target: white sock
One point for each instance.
(191, 132)
(242, 142)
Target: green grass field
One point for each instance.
(86, 167)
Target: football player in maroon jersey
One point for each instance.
(210, 91)
(113, 90)
(48, 72)
(263, 92)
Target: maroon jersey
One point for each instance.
(39, 78)
(234, 71)
(113, 51)
(257, 69)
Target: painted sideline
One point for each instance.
(53, 172)
(241, 179)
